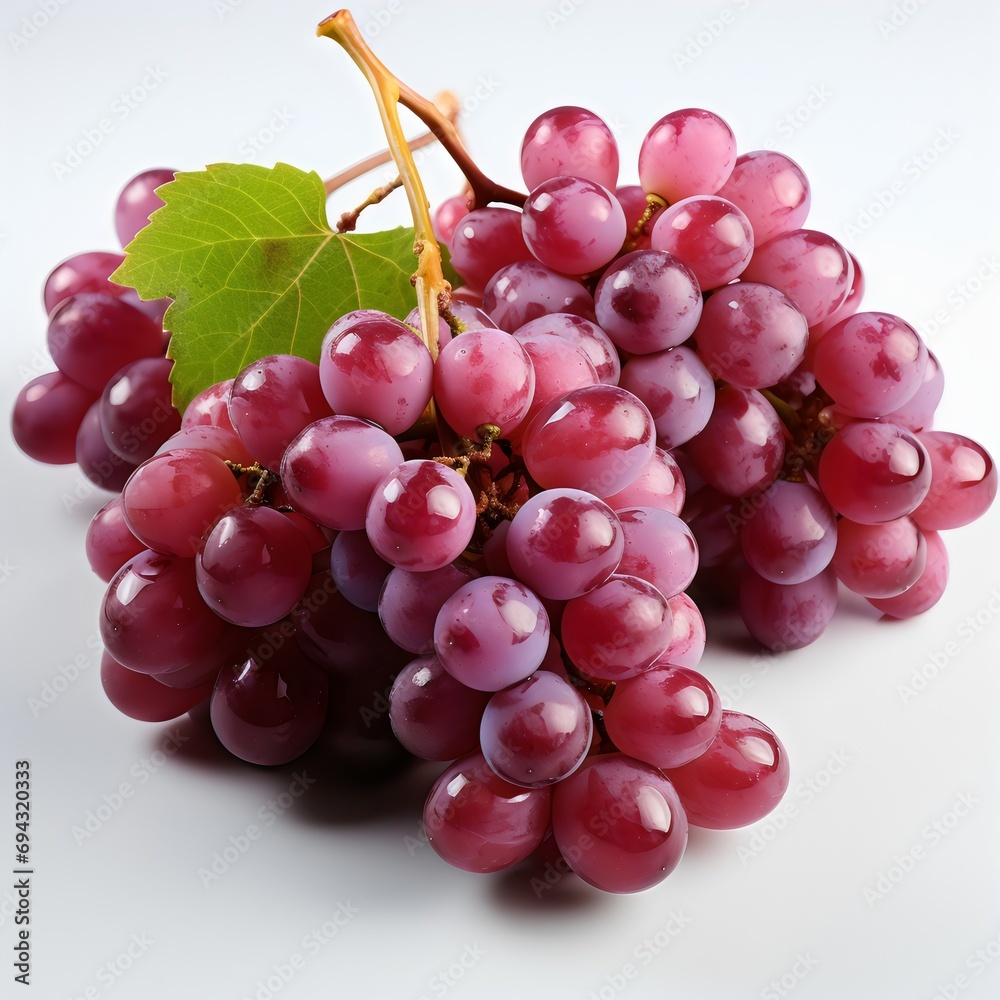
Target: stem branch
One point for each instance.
(429, 281)
(349, 220)
(484, 190)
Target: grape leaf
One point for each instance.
(249, 258)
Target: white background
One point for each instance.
(753, 911)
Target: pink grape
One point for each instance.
(687, 638)
(173, 499)
(91, 272)
(738, 780)
(491, 633)
(253, 567)
(660, 484)
(137, 202)
(676, 387)
(771, 190)
(879, 560)
(573, 225)
(709, 234)
(83, 272)
(848, 307)
(751, 335)
(598, 439)
(742, 448)
(871, 363)
(433, 715)
(659, 548)
(91, 336)
(537, 732)
(142, 697)
(686, 153)
(478, 822)
(917, 413)
(619, 823)
(272, 400)
(110, 544)
(47, 416)
(421, 516)
(569, 140)
(581, 334)
(963, 481)
(153, 618)
(409, 604)
(332, 466)
(666, 716)
(558, 366)
(787, 616)
(96, 460)
(927, 590)
(357, 569)
(203, 437)
(270, 707)
(812, 269)
(483, 377)
(874, 472)
(647, 301)
(616, 630)
(210, 407)
(137, 414)
(527, 290)
(448, 215)
(485, 240)
(791, 533)
(564, 542)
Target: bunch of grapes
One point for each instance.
(471, 547)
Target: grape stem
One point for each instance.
(429, 280)
(496, 495)
(349, 220)
(653, 205)
(265, 479)
(484, 190)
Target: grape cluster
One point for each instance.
(497, 616)
(476, 547)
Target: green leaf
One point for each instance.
(249, 258)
